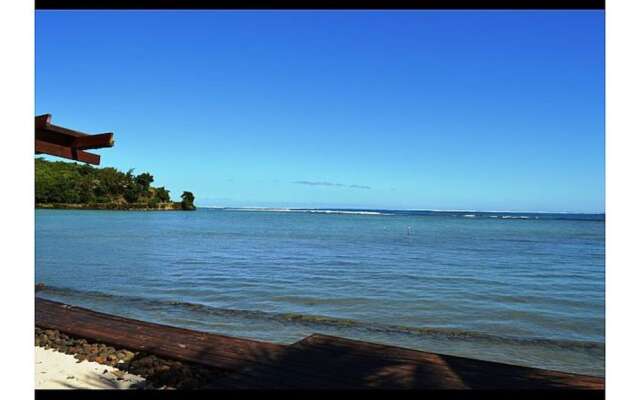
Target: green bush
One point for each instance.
(187, 201)
(154, 202)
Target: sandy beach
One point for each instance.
(64, 361)
(55, 370)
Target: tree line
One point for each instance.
(59, 182)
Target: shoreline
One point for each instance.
(56, 370)
(74, 362)
(315, 362)
(106, 207)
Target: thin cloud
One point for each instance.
(333, 184)
(311, 183)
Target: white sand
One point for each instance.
(55, 370)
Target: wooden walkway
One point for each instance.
(316, 362)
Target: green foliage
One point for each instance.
(162, 194)
(187, 201)
(154, 202)
(80, 184)
(132, 192)
(144, 180)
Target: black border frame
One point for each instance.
(322, 4)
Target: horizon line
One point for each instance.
(398, 209)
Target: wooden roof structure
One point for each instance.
(66, 143)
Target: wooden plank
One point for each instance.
(316, 362)
(65, 131)
(182, 344)
(96, 141)
(67, 143)
(218, 351)
(77, 140)
(422, 367)
(47, 136)
(42, 121)
(65, 152)
(340, 363)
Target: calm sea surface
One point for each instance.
(524, 289)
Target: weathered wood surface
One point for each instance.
(67, 143)
(177, 343)
(316, 362)
(66, 152)
(352, 364)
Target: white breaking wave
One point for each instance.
(343, 212)
(301, 210)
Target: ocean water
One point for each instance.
(525, 289)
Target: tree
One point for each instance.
(132, 193)
(187, 201)
(85, 169)
(162, 194)
(144, 180)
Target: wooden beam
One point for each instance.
(67, 143)
(96, 141)
(65, 131)
(42, 121)
(181, 344)
(46, 135)
(66, 152)
(77, 140)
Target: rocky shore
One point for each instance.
(159, 373)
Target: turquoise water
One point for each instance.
(525, 289)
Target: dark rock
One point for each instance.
(158, 372)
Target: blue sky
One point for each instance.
(381, 109)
